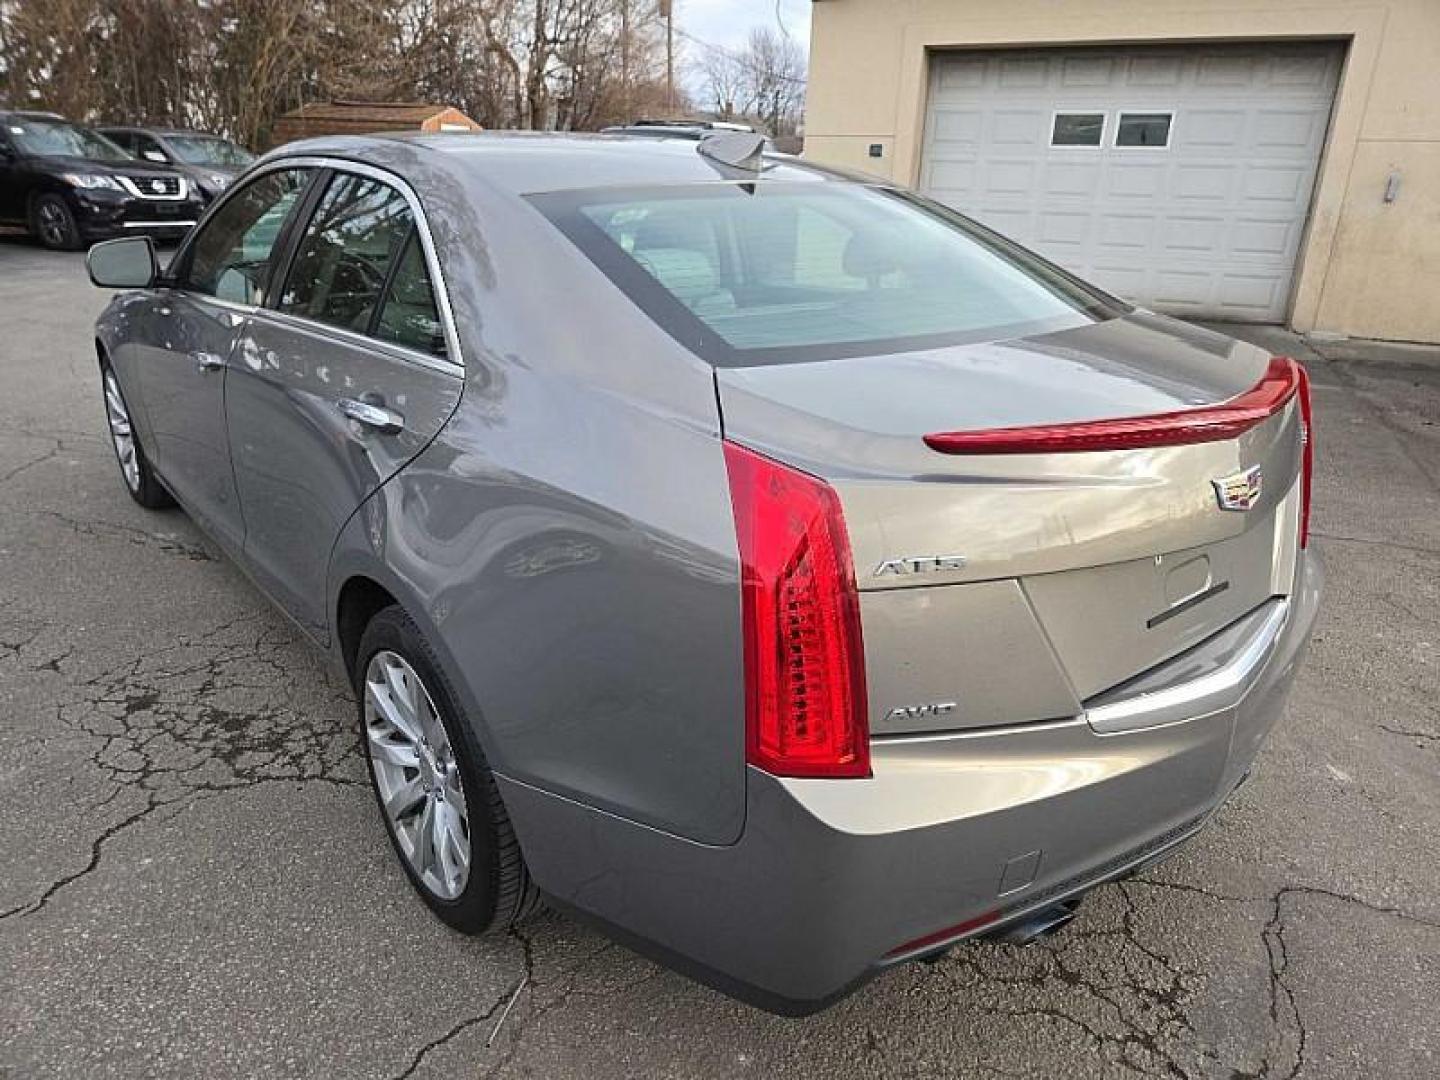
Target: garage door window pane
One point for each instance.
(1077, 129)
(1143, 129)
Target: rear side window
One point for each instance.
(230, 256)
(769, 273)
(343, 261)
(409, 316)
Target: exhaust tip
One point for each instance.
(1040, 924)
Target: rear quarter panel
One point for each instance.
(567, 539)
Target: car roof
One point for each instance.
(161, 131)
(524, 163)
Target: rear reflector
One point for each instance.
(959, 930)
(805, 705)
(1206, 423)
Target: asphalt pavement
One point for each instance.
(194, 880)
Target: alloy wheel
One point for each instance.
(121, 432)
(416, 775)
(54, 225)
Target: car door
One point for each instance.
(345, 376)
(219, 279)
(12, 204)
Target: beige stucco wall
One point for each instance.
(1367, 268)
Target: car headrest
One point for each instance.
(868, 255)
(689, 275)
(668, 229)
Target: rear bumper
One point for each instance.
(834, 880)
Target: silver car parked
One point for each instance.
(775, 568)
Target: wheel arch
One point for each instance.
(48, 186)
(38, 191)
(359, 600)
(362, 582)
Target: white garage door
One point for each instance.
(1177, 177)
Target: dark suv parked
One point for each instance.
(69, 185)
(209, 161)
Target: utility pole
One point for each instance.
(668, 14)
(625, 107)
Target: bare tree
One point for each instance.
(726, 82)
(233, 66)
(764, 82)
(775, 67)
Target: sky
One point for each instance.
(727, 23)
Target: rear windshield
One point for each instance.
(747, 274)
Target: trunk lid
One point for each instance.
(1009, 588)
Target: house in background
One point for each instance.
(364, 117)
(1261, 160)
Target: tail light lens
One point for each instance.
(1307, 453)
(805, 705)
(1206, 423)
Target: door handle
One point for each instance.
(207, 361)
(386, 421)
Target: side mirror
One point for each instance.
(156, 155)
(127, 263)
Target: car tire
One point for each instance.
(53, 223)
(135, 469)
(417, 774)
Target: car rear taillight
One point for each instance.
(1206, 423)
(1307, 453)
(805, 706)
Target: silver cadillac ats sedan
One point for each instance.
(771, 566)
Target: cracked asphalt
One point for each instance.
(194, 880)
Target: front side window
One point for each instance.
(59, 138)
(343, 261)
(749, 274)
(230, 256)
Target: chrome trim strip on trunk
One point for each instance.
(1221, 689)
(174, 224)
(1186, 604)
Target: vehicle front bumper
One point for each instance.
(101, 213)
(954, 835)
